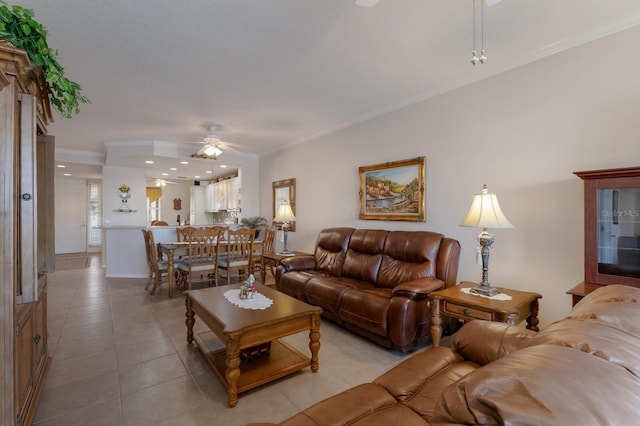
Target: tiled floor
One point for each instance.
(120, 357)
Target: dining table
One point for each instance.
(181, 248)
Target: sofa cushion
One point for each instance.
(327, 291)
(486, 341)
(542, 385)
(366, 309)
(331, 249)
(408, 255)
(364, 254)
(418, 381)
(294, 285)
(366, 401)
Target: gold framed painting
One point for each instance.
(393, 190)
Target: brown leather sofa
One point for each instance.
(374, 282)
(581, 370)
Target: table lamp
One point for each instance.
(285, 215)
(485, 213)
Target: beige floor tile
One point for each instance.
(201, 416)
(80, 368)
(143, 351)
(59, 400)
(161, 402)
(108, 413)
(138, 376)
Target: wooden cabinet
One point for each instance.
(24, 254)
(32, 360)
(611, 229)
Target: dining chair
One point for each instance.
(238, 253)
(157, 268)
(159, 223)
(200, 263)
(268, 247)
(184, 234)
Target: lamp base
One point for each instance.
(485, 290)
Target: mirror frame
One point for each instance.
(291, 185)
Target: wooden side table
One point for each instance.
(272, 259)
(454, 303)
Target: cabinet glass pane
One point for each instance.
(619, 231)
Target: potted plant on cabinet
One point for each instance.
(254, 222)
(18, 28)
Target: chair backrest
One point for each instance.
(184, 234)
(203, 246)
(219, 228)
(240, 246)
(159, 223)
(152, 250)
(269, 240)
(145, 235)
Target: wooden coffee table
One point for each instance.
(455, 303)
(252, 354)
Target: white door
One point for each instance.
(71, 216)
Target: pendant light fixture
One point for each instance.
(475, 59)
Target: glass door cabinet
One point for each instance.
(611, 229)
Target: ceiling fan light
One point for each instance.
(212, 151)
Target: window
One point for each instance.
(153, 210)
(94, 214)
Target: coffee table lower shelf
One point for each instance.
(282, 360)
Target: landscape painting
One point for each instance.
(393, 191)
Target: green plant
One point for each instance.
(255, 222)
(18, 27)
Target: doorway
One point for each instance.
(71, 216)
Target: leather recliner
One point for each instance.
(374, 282)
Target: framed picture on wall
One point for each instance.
(393, 190)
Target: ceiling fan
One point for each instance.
(213, 146)
(161, 182)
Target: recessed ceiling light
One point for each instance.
(184, 162)
(148, 161)
(197, 176)
(62, 166)
(173, 169)
(67, 174)
(209, 171)
(165, 174)
(223, 166)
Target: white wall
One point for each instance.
(113, 178)
(171, 192)
(523, 133)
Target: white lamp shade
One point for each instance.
(284, 213)
(485, 212)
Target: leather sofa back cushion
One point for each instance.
(364, 255)
(542, 385)
(408, 256)
(331, 249)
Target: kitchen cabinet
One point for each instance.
(224, 195)
(197, 206)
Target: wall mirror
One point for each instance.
(284, 191)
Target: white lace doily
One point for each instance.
(259, 301)
(499, 296)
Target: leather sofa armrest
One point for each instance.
(485, 341)
(298, 263)
(417, 289)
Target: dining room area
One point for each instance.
(187, 257)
